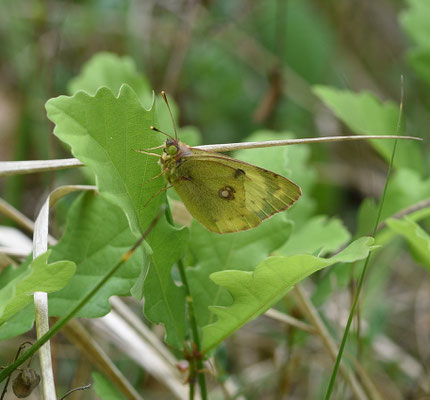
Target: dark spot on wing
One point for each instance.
(186, 178)
(239, 172)
(226, 193)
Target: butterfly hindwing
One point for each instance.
(227, 195)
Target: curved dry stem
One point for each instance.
(289, 320)
(80, 337)
(311, 313)
(40, 246)
(17, 216)
(9, 168)
(407, 211)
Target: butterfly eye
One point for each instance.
(172, 150)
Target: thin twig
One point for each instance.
(8, 168)
(290, 142)
(74, 390)
(76, 333)
(406, 211)
(27, 167)
(289, 320)
(366, 263)
(311, 313)
(17, 216)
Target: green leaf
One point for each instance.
(406, 188)
(242, 250)
(316, 43)
(417, 238)
(365, 115)
(18, 324)
(415, 20)
(366, 216)
(318, 234)
(112, 71)
(103, 132)
(39, 276)
(255, 292)
(420, 61)
(96, 237)
(104, 387)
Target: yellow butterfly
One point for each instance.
(224, 194)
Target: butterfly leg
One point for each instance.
(157, 193)
(156, 176)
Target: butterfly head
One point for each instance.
(171, 147)
(173, 151)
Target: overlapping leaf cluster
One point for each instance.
(232, 278)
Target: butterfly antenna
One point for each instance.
(163, 93)
(158, 130)
(147, 153)
(155, 148)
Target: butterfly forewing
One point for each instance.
(227, 195)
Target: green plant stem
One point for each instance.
(360, 282)
(62, 321)
(194, 329)
(191, 396)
